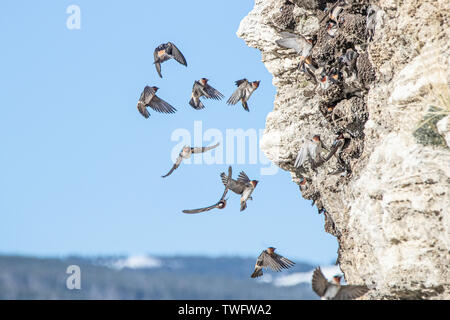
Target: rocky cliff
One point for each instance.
(385, 194)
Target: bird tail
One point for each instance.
(257, 273)
(243, 205)
(245, 105)
(199, 105)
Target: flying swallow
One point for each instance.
(186, 153)
(311, 150)
(309, 67)
(269, 259)
(201, 88)
(334, 290)
(150, 99)
(221, 204)
(242, 186)
(166, 52)
(302, 44)
(243, 92)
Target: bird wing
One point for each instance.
(157, 63)
(319, 282)
(175, 166)
(350, 292)
(176, 54)
(227, 183)
(204, 149)
(160, 105)
(301, 156)
(217, 204)
(335, 146)
(268, 262)
(239, 93)
(202, 209)
(213, 93)
(235, 186)
(146, 95)
(296, 42)
(243, 177)
(282, 261)
(200, 89)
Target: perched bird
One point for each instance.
(243, 92)
(339, 143)
(311, 150)
(201, 88)
(221, 204)
(166, 52)
(186, 153)
(334, 12)
(303, 45)
(371, 21)
(269, 259)
(302, 184)
(349, 59)
(150, 99)
(332, 28)
(242, 186)
(334, 290)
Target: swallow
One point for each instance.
(186, 153)
(201, 88)
(334, 12)
(348, 59)
(150, 99)
(339, 143)
(302, 183)
(332, 28)
(310, 150)
(309, 67)
(269, 259)
(166, 52)
(324, 81)
(221, 204)
(371, 22)
(243, 92)
(242, 186)
(334, 290)
(302, 44)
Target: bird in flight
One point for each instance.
(221, 204)
(242, 186)
(303, 45)
(269, 259)
(166, 52)
(243, 92)
(334, 290)
(186, 153)
(201, 88)
(150, 99)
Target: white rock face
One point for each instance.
(391, 215)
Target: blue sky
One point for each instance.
(81, 168)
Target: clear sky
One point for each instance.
(81, 168)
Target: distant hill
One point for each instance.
(145, 277)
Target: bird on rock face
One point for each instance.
(311, 150)
(269, 259)
(150, 99)
(243, 92)
(221, 204)
(166, 52)
(334, 290)
(186, 153)
(371, 21)
(303, 45)
(242, 186)
(201, 88)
